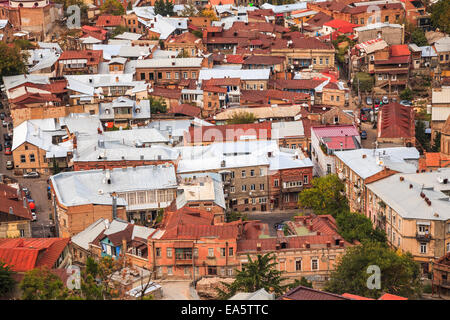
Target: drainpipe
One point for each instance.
(154, 259)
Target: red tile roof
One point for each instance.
(226, 231)
(388, 296)
(186, 109)
(234, 58)
(109, 21)
(264, 60)
(432, 159)
(93, 56)
(229, 132)
(296, 84)
(399, 50)
(166, 93)
(396, 121)
(305, 293)
(355, 297)
(25, 254)
(265, 96)
(214, 89)
(222, 82)
(341, 25)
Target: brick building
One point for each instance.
(15, 213)
(396, 125)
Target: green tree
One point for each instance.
(256, 274)
(41, 284)
(189, 10)
(118, 30)
(55, 166)
(157, 105)
(235, 215)
(129, 6)
(112, 7)
(326, 196)
(242, 117)
(159, 7)
(421, 136)
(23, 44)
(302, 282)
(406, 94)
(436, 143)
(418, 37)
(294, 28)
(7, 282)
(400, 274)
(366, 82)
(168, 6)
(12, 61)
(440, 15)
(355, 226)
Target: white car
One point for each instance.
(33, 216)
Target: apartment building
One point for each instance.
(79, 62)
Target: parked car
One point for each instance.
(9, 165)
(4, 123)
(406, 103)
(31, 174)
(364, 134)
(394, 100)
(33, 215)
(8, 151)
(2, 116)
(376, 102)
(369, 101)
(385, 100)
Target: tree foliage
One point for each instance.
(421, 137)
(113, 7)
(400, 274)
(163, 8)
(118, 30)
(366, 82)
(235, 215)
(436, 147)
(157, 105)
(189, 10)
(256, 274)
(418, 37)
(302, 282)
(326, 196)
(440, 15)
(12, 61)
(406, 94)
(7, 282)
(209, 13)
(41, 284)
(355, 226)
(242, 117)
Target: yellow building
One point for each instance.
(414, 210)
(15, 214)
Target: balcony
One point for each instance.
(423, 237)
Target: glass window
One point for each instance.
(169, 252)
(169, 271)
(298, 265)
(32, 159)
(158, 252)
(243, 174)
(314, 264)
(210, 252)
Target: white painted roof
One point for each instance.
(169, 63)
(129, 36)
(443, 45)
(378, 25)
(393, 158)
(249, 74)
(284, 129)
(441, 95)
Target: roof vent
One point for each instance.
(402, 178)
(364, 156)
(100, 191)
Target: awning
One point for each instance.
(424, 223)
(183, 244)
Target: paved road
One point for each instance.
(37, 187)
(272, 218)
(176, 290)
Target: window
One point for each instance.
(212, 270)
(230, 251)
(314, 60)
(169, 252)
(32, 159)
(337, 98)
(286, 198)
(397, 16)
(22, 233)
(210, 252)
(230, 272)
(159, 75)
(262, 172)
(448, 247)
(169, 271)
(243, 174)
(328, 168)
(276, 182)
(243, 187)
(332, 98)
(158, 252)
(326, 60)
(386, 19)
(232, 190)
(194, 75)
(22, 158)
(398, 241)
(298, 264)
(177, 75)
(187, 271)
(305, 179)
(362, 21)
(314, 264)
(321, 61)
(252, 187)
(423, 247)
(142, 75)
(196, 252)
(185, 75)
(222, 252)
(232, 175)
(261, 186)
(253, 200)
(167, 75)
(252, 173)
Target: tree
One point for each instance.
(406, 94)
(355, 226)
(55, 167)
(169, 8)
(189, 10)
(242, 117)
(159, 7)
(112, 7)
(256, 274)
(294, 28)
(421, 136)
(326, 196)
(400, 274)
(302, 282)
(235, 215)
(130, 6)
(209, 13)
(418, 37)
(436, 143)
(366, 82)
(12, 61)
(41, 284)
(157, 105)
(118, 30)
(7, 282)
(23, 44)
(440, 15)
(183, 54)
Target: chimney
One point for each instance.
(402, 178)
(117, 79)
(364, 156)
(307, 245)
(328, 244)
(258, 246)
(269, 154)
